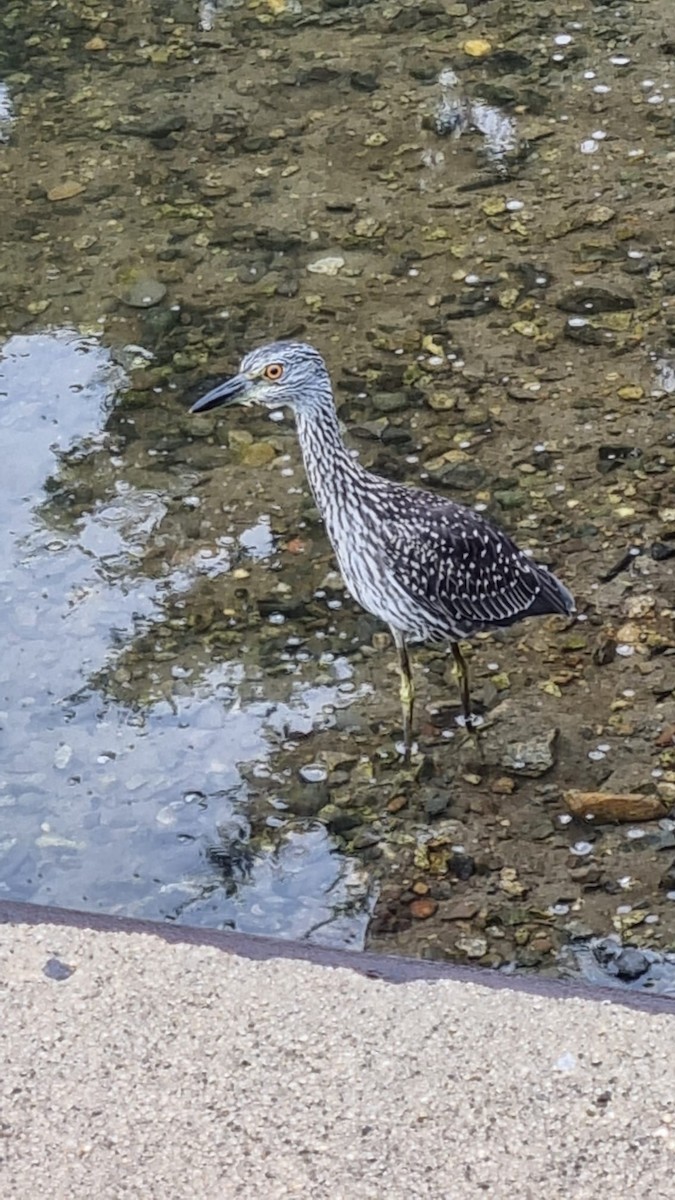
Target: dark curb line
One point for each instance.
(387, 968)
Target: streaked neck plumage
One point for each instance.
(327, 460)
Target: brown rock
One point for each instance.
(503, 786)
(462, 909)
(65, 190)
(614, 806)
(423, 908)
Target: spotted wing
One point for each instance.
(459, 567)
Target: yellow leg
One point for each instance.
(463, 679)
(407, 691)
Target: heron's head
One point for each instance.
(281, 373)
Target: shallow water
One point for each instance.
(115, 805)
(197, 723)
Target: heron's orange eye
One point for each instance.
(273, 372)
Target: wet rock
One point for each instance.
(472, 947)
(364, 81)
(593, 299)
(389, 402)
(423, 908)
(626, 962)
(461, 865)
(65, 191)
(142, 293)
(331, 265)
(337, 819)
(660, 551)
(631, 964)
(365, 839)
(614, 806)
(510, 884)
(259, 454)
(510, 498)
(436, 804)
(464, 908)
(149, 125)
(610, 457)
(442, 401)
(578, 329)
(462, 477)
(477, 47)
(532, 757)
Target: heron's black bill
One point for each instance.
(231, 391)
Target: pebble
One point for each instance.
(477, 47)
(472, 947)
(330, 265)
(65, 191)
(142, 293)
(423, 908)
(532, 757)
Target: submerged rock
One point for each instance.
(593, 299)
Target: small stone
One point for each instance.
(631, 964)
(631, 391)
(508, 300)
(259, 454)
(462, 865)
(375, 139)
(510, 884)
(629, 634)
(587, 300)
(389, 402)
(600, 214)
(473, 947)
(477, 47)
(96, 44)
(143, 293)
(436, 804)
(462, 909)
(639, 606)
(504, 786)
(330, 265)
(525, 328)
(397, 803)
(423, 908)
(532, 757)
(368, 227)
(65, 191)
(472, 778)
(494, 206)
(442, 401)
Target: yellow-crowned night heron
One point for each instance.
(431, 569)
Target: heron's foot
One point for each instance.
(406, 751)
(470, 721)
(474, 726)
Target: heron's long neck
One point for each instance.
(328, 463)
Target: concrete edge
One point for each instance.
(386, 968)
